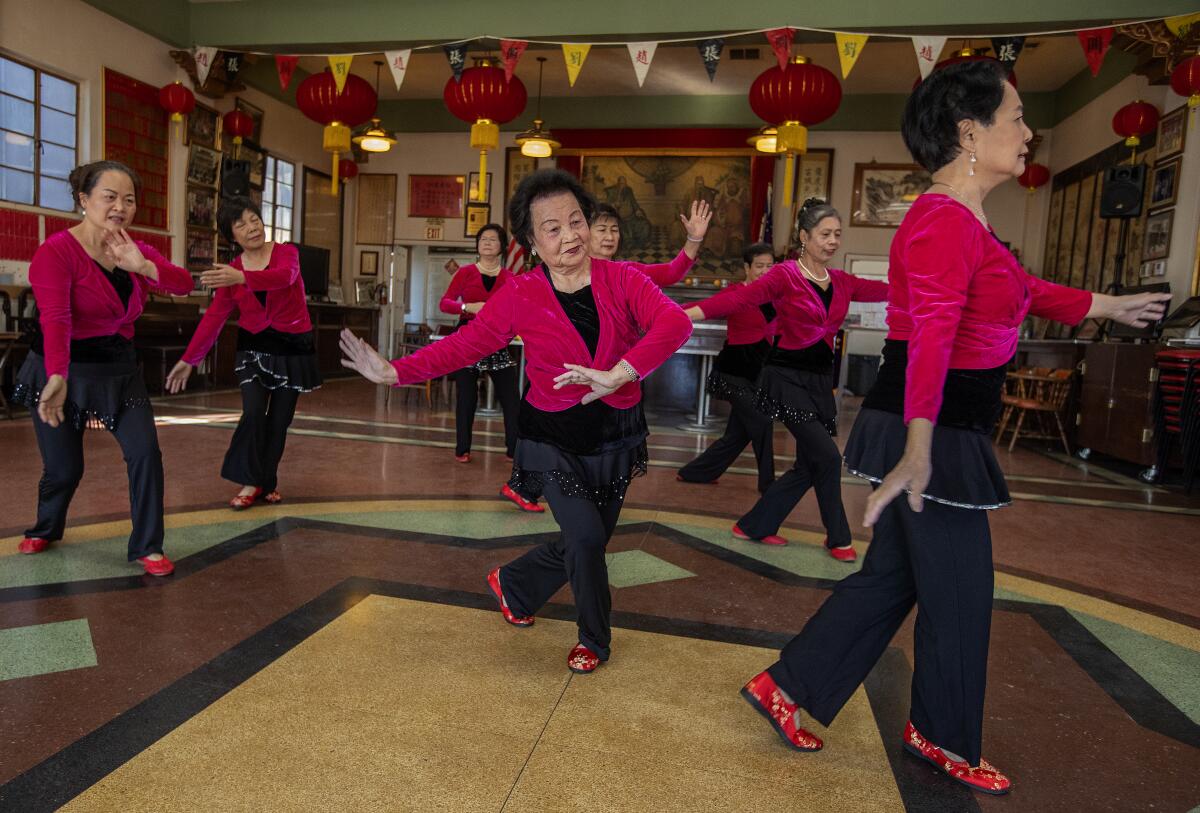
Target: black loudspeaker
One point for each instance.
(235, 178)
(1123, 191)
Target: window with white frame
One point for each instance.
(278, 195)
(38, 133)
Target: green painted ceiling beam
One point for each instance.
(169, 20)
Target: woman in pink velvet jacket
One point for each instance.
(796, 384)
(592, 329)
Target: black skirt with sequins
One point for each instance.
(797, 396)
(103, 390)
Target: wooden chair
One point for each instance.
(1040, 391)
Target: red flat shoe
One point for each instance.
(273, 498)
(769, 539)
(763, 694)
(679, 477)
(984, 778)
(463, 458)
(493, 580)
(31, 544)
(582, 661)
(160, 567)
(845, 554)
(243, 501)
(521, 502)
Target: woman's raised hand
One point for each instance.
(364, 360)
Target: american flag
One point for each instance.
(515, 258)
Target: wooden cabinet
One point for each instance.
(1116, 414)
(329, 320)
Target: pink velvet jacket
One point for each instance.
(286, 309)
(638, 323)
(75, 301)
(802, 319)
(467, 286)
(958, 297)
(746, 325)
(667, 274)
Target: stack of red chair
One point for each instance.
(1177, 411)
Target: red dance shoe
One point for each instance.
(243, 501)
(769, 539)
(465, 457)
(582, 660)
(845, 554)
(273, 498)
(161, 567)
(31, 544)
(679, 477)
(521, 502)
(493, 580)
(762, 693)
(985, 778)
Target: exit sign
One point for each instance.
(433, 232)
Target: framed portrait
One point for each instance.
(201, 249)
(883, 193)
(1156, 244)
(1172, 132)
(204, 166)
(368, 264)
(1164, 184)
(1153, 268)
(516, 168)
(435, 195)
(478, 216)
(201, 207)
(364, 290)
(256, 113)
(257, 157)
(472, 190)
(203, 127)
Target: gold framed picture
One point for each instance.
(1172, 133)
(883, 193)
(478, 216)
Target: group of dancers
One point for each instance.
(592, 329)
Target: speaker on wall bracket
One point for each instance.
(1123, 191)
(235, 178)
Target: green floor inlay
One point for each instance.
(633, 567)
(44, 648)
(798, 557)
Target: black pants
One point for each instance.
(257, 444)
(941, 560)
(466, 398)
(819, 466)
(576, 556)
(62, 469)
(747, 425)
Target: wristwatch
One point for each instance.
(463, 307)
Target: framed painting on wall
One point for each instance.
(201, 207)
(203, 127)
(435, 195)
(255, 113)
(201, 249)
(814, 176)
(478, 216)
(368, 264)
(1164, 184)
(375, 209)
(883, 193)
(1157, 242)
(203, 166)
(472, 189)
(1172, 133)
(516, 168)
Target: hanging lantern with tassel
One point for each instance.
(176, 100)
(239, 125)
(1185, 81)
(793, 99)
(1034, 176)
(347, 169)
(318, 98)
(1133, 121)
(486, 99)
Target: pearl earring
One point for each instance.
(971, 169)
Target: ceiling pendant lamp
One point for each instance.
(765, 140)
(537, 141)
(374, 137)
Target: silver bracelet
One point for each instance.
(629, 371)
(695, 239)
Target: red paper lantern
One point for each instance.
(486, 99)
(239, 125)
(1034, 176)
(176, 100)
(318, 98)
(1185, 80)
(347, 169)
(794, 98)
(1134, 120)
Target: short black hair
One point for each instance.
(83, 178)
(813, 211)
(755, 249)
(538, 185)
(231, 211)
(604, 210)
(964, 90)
(500, 232)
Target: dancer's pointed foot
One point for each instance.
(769, 539)
(983, 778)
(768, 700)
(493, 580)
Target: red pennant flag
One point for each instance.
(510, 51)
(285, 66)
(1095, 44)
(781, 43)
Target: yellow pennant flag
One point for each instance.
(849, 47)
(574, 56)
(1181, 25)
(341, 69)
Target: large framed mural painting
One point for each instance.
(650, 190)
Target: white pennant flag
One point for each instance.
(204, 56)
(928, 51)
(398, 62)
(642, 54)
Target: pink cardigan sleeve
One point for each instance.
(664, 325)
(491, 330)
(50, 274)
(771, 285)
(666, 274)
(867, 290)
(222, 304)
(1058, 302)
(281, 272)
(171, 278)
(452, 299)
